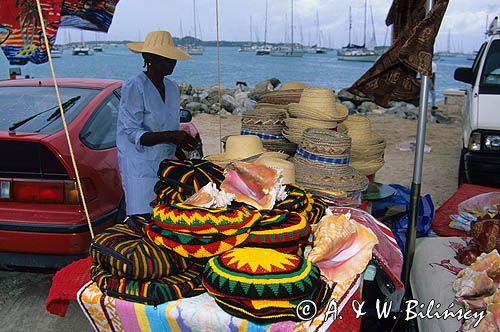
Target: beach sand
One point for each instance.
(22, 295)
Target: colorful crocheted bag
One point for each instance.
(154, 292)
(194, 245)
(125, 253)
(268, 311)
(280, 230)
(179, 179)
(257, 273)
(191, 219)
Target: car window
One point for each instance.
(35, 109)
(100, 131)
(490, 78)
(475, 65)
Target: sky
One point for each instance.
(463, 25)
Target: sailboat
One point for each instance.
(316, 49)
(288, 51)
(82, 49)
(353, 52)
(264, 49)
(191, 48)
(251, 47)
(448, 53)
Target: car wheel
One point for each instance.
(462, 178)
(121, 213)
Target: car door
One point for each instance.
(98, 135)
(489, 89)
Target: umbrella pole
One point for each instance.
(417, 173)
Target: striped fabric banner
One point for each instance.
(262, 135)
(314, 157)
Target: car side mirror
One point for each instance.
(186, 116)
(464, 74)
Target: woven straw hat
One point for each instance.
(360, 131)
(318, 104)
(287, 167)
(281, 97)
(293, 86)
(159, 43)
(268, 105)
(242, 147)
(322, 162)
(368, 167)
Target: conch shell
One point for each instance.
(342, 247)
(253, 184)
(210, 197)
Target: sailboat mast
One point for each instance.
(350, 27)
(292, 26)
(251, 39)
(364, 29)
(318, 36)
(265, 27)
(374, 37)
(194, 17)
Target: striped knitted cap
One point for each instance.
(157, 291)
(258, 273)
(124, 253)
(268, 311)
(298, 200)
(193, 245)
(279, 230)
(191, 219)
(179, 179)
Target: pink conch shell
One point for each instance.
(210, 197)
(489, 263)
(251, 183)
(470, 283)
(494, 309)
(350, 248)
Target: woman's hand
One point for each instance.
(182, 139)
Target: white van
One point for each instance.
(480, 159)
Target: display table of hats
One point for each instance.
(272, 258)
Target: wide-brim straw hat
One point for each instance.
(293, 86)
(281, 97)
(304, 123)
(368, 167)
(159, 43)
(336, 113)
(270, 121)
(242, 147)
(287, 167)
(360, 131)
(267, 105)
(295, 135)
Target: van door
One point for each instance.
(488, 99)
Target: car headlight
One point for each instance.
(475, 141)
(492, 142)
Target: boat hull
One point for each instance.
(358, 58)
(295, 54)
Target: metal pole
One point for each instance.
(417, 172)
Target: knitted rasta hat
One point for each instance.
(179, 179)
(298, 200)
(203, 221)
(124, 253)
(173, 287)
(259, 274)
(279, 230)
(193, 245)
(268, 311)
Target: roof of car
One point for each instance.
(98, 83)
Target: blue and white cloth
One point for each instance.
(143, 110)
(262, 135)
(314, 157)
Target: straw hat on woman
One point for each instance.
(148, 121)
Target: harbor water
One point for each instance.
(314, 69)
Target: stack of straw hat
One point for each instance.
(322, 164)
(317, 108)
(293, 86)
(283, 97)
(268, 124)
(367, 152)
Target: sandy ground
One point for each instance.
(22, 295)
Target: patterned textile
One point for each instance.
(193, 245)
(404, 14)
(314, 157)
(88, 15)
(257, 274)
(393, 76)
(266, 311)
(124, 253)
(153, 292)
(280, 230)
(181, 179)
(21, 35)
(299, 201)
(261, 135)
(202, 221)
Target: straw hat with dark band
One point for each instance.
(284, 97)
(159, 43)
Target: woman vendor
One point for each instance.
(148, 121)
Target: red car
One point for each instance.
(42, 222)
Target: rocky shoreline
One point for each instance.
(242, 98)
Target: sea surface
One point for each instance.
(314, 69)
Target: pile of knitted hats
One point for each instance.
(317, 108)
(367, 151)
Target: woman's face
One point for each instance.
(161, 65)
